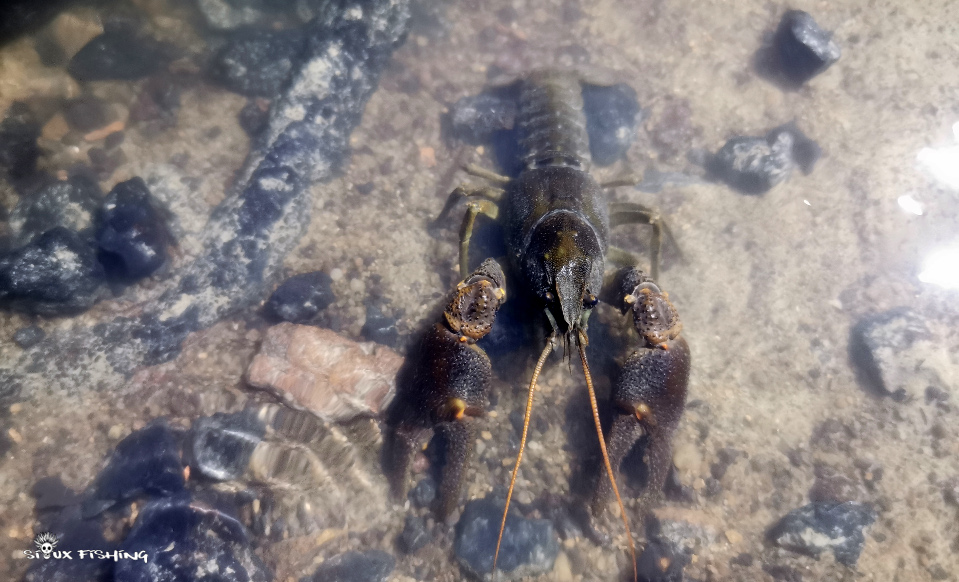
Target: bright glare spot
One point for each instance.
(806, 202)
(910, 204)
(943, 163)
(942, 268)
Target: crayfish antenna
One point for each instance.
(602, 446)
(522, 443)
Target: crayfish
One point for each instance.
(557, 221)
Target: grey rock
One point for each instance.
(414, 535)
(229, 15)
(221, 445)
(818, 527)
(301, 297)
(257, 63)
(27, 337)
(71, 204)
(753, 165)
(804, 49)
(371, 566)
(132, 232)
(118, 54)
(423, 493)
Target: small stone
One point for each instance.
(753, 165)
(687, 458)
(301, 297)
(70, 203)
(805, 151)
(379, 327)
(229, 14)
(476, 118)
(529, 546)
(257, 63)
(423, 494)
(119, 54)
(371, 566)
(27, 337)
(254, 116)
(86, 113)
(18, 141)
(745, 560)
(733, 536)
(145, 462)
(55, 128)
(414, 535)
(221, 445)
(611, 119)
(319, 370)
(803, 48)
(818, 527)
(56, 274)
(131, 232)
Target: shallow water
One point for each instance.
(769, 287)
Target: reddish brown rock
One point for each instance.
(321, 371)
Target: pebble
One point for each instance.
(370, 566)
(817, 527)
(379, 327)
(752, 165)
(476, 118)
(805, 151)
(414, 535)
(301, 297)
(687, 458)
(55, 128)
(257, 63)
(562, 569)
(55, 274)
(254, 116)
(119, 54)
(328, 374)
(733, 536)
(27, 337)
(220, 446)
(19, 131)
(145, 462)
(70, 203)
(803, 48)
(209, 543)
(529, 546)
(132, 233)
(423, 494)
(611, 117)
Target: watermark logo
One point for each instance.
(46, 544)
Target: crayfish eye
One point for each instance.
(549, 296)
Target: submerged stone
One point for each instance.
(71, 204)
(805, 151)
(257, 63)
(380, 327)
(116, 55)
(752, 165)
(27, 337)
(131, 232)
(818, 527)
(371, 566)
(301, 297)
(611, 117)
(803, 48)
(414, 535)
(221, 445)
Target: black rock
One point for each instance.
(51, 493)
(529, 546)
(71, 204)
(27, 337)
(611, 117)
(131, 232)
(86, 113)
(145, 462)
(371, 566)
(803, 48)
(379, 327)
(805, 151)
(221, 445)
(75, 534)
(476, 118)
(817, 527)
(423, 493)
(889, 351)
(414, 535)
(186, 539)
(18, 141)
(253, 117)
(301, 297)
(119, 54)
(258, 63)
(56, 274)
(753, 165)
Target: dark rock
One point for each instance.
(258, 63)
(56, 274)
(145, 462)
(529, 546)
(208, 543)
(221, 445)
(889, 350)
(673, 132)
(18, 141)
(230, 14)
(254, 116)
(414, 535)
(132, 233)
(611, 118)
(119, 54)
(423, 493)
(51, 493)
(75, 533)
(805, 151)
(476, 118)
(817, 527)
(301, 297)
(27, 337)
(86, 113)
(752, 165)
(379, 327)
(71, 204)
(803, 48)
(371, 566)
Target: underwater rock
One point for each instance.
(414, 535)
(423, 493)
(371, 566)
(71, 204)
(56, 274)
(229, 14)
(817, 527)
(254, 116)
(19, 131)
(753, 165)
(119, 54)
(86, 113)
(221, 445)
(317, 369)
(27, 337)
(75, 533)
(208, 542)
(805, 151)
(804, 49)
(131, 232)
(301, 297)
(529, 546)
(476, 118)
(379, 327)
(611, 117)
(145, 462)
(257, 63)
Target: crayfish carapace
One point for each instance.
(557, 221)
